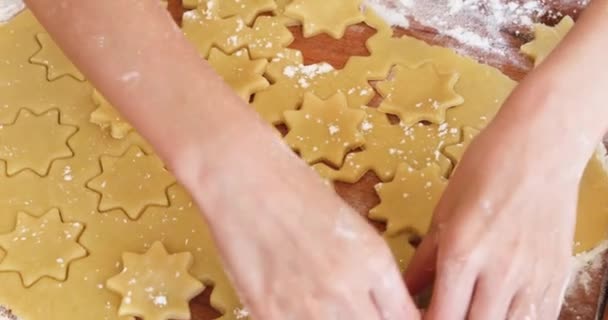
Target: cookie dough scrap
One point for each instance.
(107, 117)
(51, 57)
(546, 39)
(156, 285)
(324, 130)
(407, 203)
(41, 247)
(45, 142)
(388, 145)
(330, 17)
(419, 94)
(244, 75)
(247, 9)
(456, 151)
(134, 171)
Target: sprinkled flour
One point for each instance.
(9, 8)
(477, 24)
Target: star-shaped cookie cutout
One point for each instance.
(132, 182)
(546, 39)
(407, 203)
(456, 151)
(419, 94)
(269, 36)
(205, 29)
(156, 285)
(56, 63)
(41, 247)
(244, 75)
(320, 16)
(247, 9)
(324, 129)
(291, 79)
(387, 145)
(34, 142)
(107, 117)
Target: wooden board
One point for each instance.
(583, 299)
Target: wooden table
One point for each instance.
(583, 300)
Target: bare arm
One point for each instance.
(501, 242)
(273, 219)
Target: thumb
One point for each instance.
(421, 271)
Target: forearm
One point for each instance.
(565, 100)
(136, 56)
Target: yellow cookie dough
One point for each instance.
(156, 285)
(247, 9)
(456, 151)
(51, 57)
(546, 39)
(320, 16)
(41, 247)
(106, 116)
(387, 145)
(324, 129)
(407, 203)
(140, 208)
(419, 94)
(240, 72)
(34, 142)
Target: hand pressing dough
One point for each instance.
(324, 130)
(320, 16)
(546, 39)
(51, 57)
(156, 285)
(174, 220)
(419, 94)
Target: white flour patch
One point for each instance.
(10, 8)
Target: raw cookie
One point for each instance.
(51, 57)
(320, 16)
(240, 72)
(106, 116)
(324, 130)
(247, 9)
(156, 285)
(419, 94)
(546, 39)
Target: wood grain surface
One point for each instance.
(584, 297)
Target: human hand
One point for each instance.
(293, 249)
(501, 241)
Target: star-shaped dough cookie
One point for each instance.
(546, 39)
(320, 16)
(132, 182)
(246, 9)
(156, 285)
(205, 30)
(401, 248)
(34, 142)
(419, 94)
(41, 247)
(244, 75)
(456, 151)
(269, 36)
(106, 116)
(387, 145)
(56, 63)
(324, 129)
(407, 203)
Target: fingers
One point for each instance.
(453, 289)
(421, 271)
(392, 299)
(490, 300)
(523, 306)
(552, 300)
